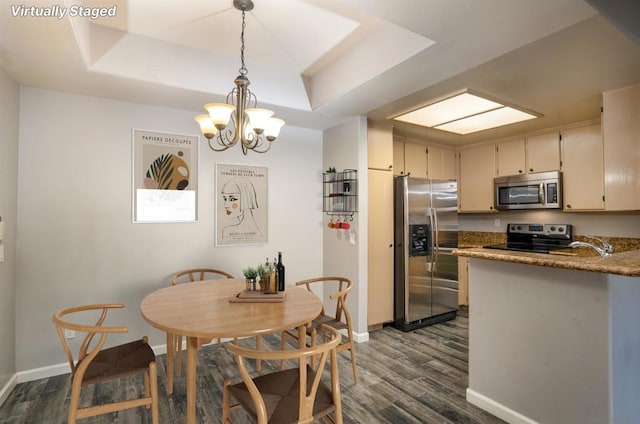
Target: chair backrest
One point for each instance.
(86, 353)
(344, 286)
(307, 358)
(198, 274)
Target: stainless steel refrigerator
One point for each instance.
(425, 233)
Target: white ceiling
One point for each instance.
(318, 62)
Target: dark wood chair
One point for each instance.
(340, 320)
(95, 364)
(296, 395)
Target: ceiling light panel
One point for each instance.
(484, 121)
(464, 113)
(447, 110)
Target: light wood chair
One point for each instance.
(189, 276)
(95, 364)
(341, 320)
(295, 395)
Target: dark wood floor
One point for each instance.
(416, 377)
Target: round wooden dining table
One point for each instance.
(202, 311)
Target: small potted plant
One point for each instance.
(250, 276)
(266, 275)
(331, 174)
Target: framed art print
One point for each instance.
(165, 177)
(241, 204)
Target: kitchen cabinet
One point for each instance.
(621, 126)
(380, 245)
(379, 146)
(539, 153)
(511, 157)
(477, 171)
(441, 163)
(415, 160)
(463, 280)
(583, 168)
(398, 158)
(543, 153)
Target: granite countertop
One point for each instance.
(583, 259)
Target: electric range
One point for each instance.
(538, 238)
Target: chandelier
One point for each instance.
(253, 127)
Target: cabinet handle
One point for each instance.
(568, 206)
(530, 169)
(391, 245)
(390, 166)
(520, 171)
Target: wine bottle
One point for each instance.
(280, 270)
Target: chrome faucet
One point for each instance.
(606, 246)
(605, 250)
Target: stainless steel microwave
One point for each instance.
(542, 190)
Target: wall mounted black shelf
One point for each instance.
(340, 192)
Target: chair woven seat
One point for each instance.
(281, 394)
(119, 361)
(328, 320)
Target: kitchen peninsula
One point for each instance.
(554, 338)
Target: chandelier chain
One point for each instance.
(243, 68)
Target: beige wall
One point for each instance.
(9, 118)
(77, 242)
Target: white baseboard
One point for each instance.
(43, 372)
(62, 368)
(497, 409)
(361, 337)
(6, 390)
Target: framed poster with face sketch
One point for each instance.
(165, 177)
(241, 204)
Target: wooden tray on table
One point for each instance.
(258, 297)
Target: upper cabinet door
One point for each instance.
(379, 146)
(621, 129)
(449, 170)
(582, 168)
(511, 158)
(477, 170)
(441, 163)
(543, 153)
(398, 158)
(415, 160)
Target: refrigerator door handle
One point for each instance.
(429, 259)
(436, 248)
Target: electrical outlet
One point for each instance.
(496, 222)
(69, 334)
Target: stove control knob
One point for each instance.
(519, 227)
(552, 228)
(561, 229)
